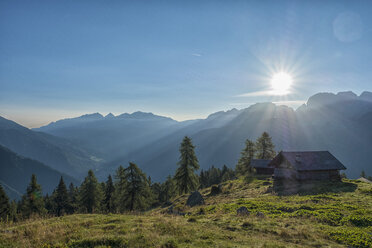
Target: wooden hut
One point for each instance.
(262, 166)
(309, 165)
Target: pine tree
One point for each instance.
(137, 193)
(168, 190)
(120, 185)
(185, 178)
(203, 179)
(214, 176)
(61, 199)
(4, 205)
(49, 203)
(265, 147)
(73, 193)
(363, 174)
(33, 202)
(227, 174)
(90, 194)
(157, 192)
(109, 195)
(247, 154)
(13, 211)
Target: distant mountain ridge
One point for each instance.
(112, 136)
(340, 123)
(16, 171)
(58, 153)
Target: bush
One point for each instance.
(359, 221)
(169, 244)
(352, 238)
(192, 219)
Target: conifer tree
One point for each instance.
(203, 179)
(157, 192)
(90, 194)
(168, 190)
(185, 177)
(61, 199)
(72, 198)
(49, 203)
(109, 195)
(214, 175)
(246, 155)
(363, 174)
(33, 202)
(13, 211)
(4, 205)
(120, 185)
(265, 147)
(137, 194)
(227, 174)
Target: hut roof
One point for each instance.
(260, 163)
(309, 160)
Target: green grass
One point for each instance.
(322, 215)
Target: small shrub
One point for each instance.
(201, 211)
(192, 219)
(170, 244)
(247, 225)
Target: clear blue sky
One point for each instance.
(183, 59)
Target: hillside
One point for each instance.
(328, 215)
(58, 153)
(16, 171)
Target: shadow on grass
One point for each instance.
(291, 187)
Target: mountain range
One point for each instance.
(340, 123)
(16, 171)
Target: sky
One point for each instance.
(182, 59)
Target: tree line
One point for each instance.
(129, 189)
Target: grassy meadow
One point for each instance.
(322, 215)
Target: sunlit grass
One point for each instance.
(334, 219)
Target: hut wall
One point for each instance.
(285, 173)
(318, 175)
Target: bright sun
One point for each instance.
(281, 83)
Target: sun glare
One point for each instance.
(281, 83)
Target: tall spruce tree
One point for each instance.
(137, 193)
(185, 178)
(246, 155)
(109, 195)
(265, 147)
(33, 202)
(61, 199)
(4, 205)
(90, 194)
